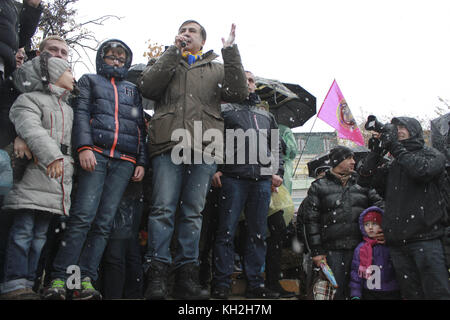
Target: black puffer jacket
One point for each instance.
(414, 208)
(8, 94)
(108, 113)
(247, 116)
(331, 213)
(17, 26)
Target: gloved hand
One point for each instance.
(368, 165)
(374, 145)
(389, 136)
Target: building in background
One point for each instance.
(311, 145)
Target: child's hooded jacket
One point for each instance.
(380, 258)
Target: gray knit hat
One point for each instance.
(56, 68)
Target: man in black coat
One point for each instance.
(331, 213)
(414, 210)
(16, 30)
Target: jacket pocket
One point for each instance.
(211, 119)
(161, 127)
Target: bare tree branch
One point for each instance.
(58, 18)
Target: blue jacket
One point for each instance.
(380, 258)
(108, 114)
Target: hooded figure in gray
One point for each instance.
(43, 119)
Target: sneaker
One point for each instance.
(220, 292)
(87, 291)
(20, 294)
(261, 293)
(56, 290)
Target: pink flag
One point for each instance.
(337, 114)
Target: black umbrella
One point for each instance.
(290, 104)
(439, 132)
(134, 72)
(322, 161)
(133, 75)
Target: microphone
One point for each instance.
(183, 44)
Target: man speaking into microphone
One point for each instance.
(187, 86)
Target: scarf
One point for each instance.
(191, 58)
(343, 178)
(365, 258)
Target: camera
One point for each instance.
(373, 124)
(375, 144)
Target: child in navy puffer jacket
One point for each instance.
(372, 272)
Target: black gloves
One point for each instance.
(369, 164)
(389, 136)
(375, 145)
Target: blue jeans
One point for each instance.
(26, 239)
(237, 195)
(178, 198)
(87, 230)
(421, 270)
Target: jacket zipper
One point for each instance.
(139, 141)
(116, 117)
(63, 191)
(62, 113)
(51, 124)
(256, 123)
(62, 140)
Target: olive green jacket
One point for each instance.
(186, 94)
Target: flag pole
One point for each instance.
(309, 135)
(304, 147)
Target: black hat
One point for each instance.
(339, 154)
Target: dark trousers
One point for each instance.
(6, 221)
(254, 198)
(340, 262)
(54, 236)
(207, 236)
(122, 269)
(277, 229)
(421, 270)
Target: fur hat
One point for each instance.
(339, 154)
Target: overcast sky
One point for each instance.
(389, 57)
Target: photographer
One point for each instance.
(414, 211)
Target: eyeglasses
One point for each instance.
(114, 58)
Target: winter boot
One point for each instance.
(187, 285)
(157, 275)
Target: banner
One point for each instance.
(337, 114)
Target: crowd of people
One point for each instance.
(106, 203)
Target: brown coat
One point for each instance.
(184, 94)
